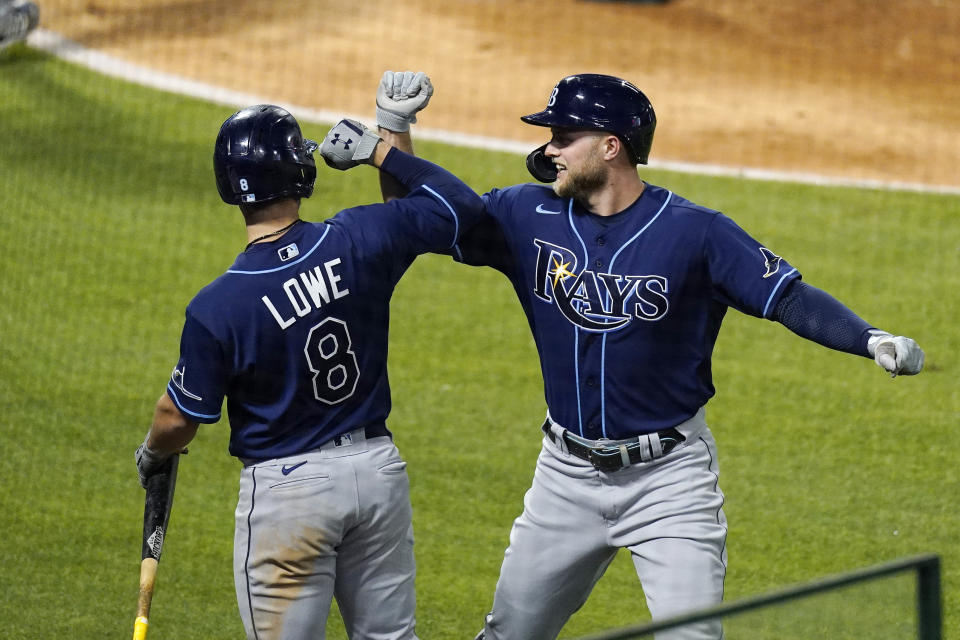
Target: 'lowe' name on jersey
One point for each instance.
(307, 291)
(295, 334)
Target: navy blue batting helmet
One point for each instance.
(261, 155)
(602, 103)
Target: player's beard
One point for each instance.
(581, 183)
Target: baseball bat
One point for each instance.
(156, 516)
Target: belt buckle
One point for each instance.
(670, 439)
(605, 459)
(611, 458)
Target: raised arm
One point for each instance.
(438, 206)
(400, 95)
(350, 143)
(390, 189)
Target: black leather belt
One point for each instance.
(621, 453)
(373, 431)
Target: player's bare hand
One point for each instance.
(898, 355)
(400, 96)
(348, 144)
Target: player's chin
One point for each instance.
(560, 183)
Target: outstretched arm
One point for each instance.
(816, 315)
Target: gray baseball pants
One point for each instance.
(336, 524)
(666, 512)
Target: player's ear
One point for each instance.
(611, 147)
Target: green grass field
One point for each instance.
(111, 222)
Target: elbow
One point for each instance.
(471, 209)
(171, 429)
(167, 412)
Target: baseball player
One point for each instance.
(625, 285)
(295, 335)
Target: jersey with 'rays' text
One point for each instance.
(625, 310)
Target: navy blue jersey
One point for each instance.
(625, 309)
(294, 334)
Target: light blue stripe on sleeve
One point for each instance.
(176, 400)
(775, 289)
(456, 220)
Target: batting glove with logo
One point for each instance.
(898, 355)
(148, 461)
(399, 97)
(348, 144)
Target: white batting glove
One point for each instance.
(348, 144)
(898, 355)
(400, 96)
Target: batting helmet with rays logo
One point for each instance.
(602, 103)
(261, 155)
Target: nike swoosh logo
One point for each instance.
(288, 469)
(540, 209)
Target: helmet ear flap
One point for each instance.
(308, 176)
(540, 166)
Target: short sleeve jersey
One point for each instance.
(625, 310)
(295, 333)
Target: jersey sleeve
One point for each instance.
(814, 314)
(744, 274)
(198, 383)
(438, 209)
(485, 245)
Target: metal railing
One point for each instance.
(929, 600)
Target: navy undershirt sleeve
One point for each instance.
(410, 171)
(814, 314)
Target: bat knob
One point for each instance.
(140, 628)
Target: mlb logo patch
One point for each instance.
(248, 197)
(288, 252)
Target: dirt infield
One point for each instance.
(850, 88)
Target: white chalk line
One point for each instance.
(66, 49)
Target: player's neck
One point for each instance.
(621, 191)
(272, 221)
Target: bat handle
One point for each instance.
(140, 628)
(148, 574)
